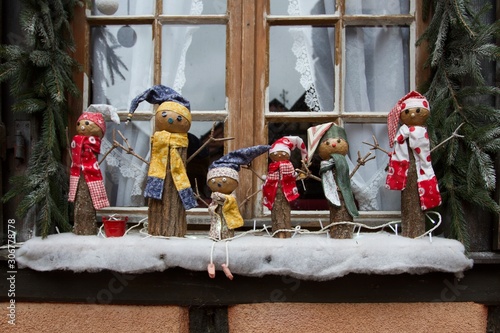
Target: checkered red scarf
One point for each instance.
(83, 151)
(279, 171)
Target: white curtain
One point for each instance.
(376, 76)
(120, 73)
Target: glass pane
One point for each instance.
(122, 7)
(377, 68)
(377, 7)
(310, 190)
(296, 8)
(194, 64)
(125, 175)
(197, 168)
(301, 70)
(194, 7)
(368, 182)
(122, 64)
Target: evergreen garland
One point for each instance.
(39, 73)
(459, 43)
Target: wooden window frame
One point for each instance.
(247, 79)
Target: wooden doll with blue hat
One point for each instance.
(168, 188)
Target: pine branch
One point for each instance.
(458, 44)
(40, 76)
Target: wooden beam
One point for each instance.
(177, 286)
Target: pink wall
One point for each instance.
(358, 318)
(82, 318)
(246, 318)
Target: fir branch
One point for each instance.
(459, 43)
(40, 76)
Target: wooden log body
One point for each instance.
(340, 214)
(281, 215)
(225, 232)
(85, 221)
(167, 217)
(412, 216)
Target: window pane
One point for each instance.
(122, 64)
(194, 7)
(377, 68)
(194, 64)
(124, 174)
(122, 7)
(302, 7)
(301, 70)
(197, 168)
(377, 7)
(310, 190)
(368, 182)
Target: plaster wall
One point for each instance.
(82, 318)
(358, 318)
(246, 318)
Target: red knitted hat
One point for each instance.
(411, 100)
(97, 118)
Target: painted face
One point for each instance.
(224, 185)
(332, 146)
(276, 156)
(171, 121)
(88, 128)
(414, 116)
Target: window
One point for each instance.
(254, 71)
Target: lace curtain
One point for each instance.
(120, 73)
(376, 76)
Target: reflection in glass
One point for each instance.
(377, 68)
(377, 7)
(120, 73)
(310, 190)
(301, 70)
(124, 174)
(302, 7)
(194, 7)
(194, 64)
(122, 7)
(367, 183)
(197, 168)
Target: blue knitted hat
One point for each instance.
(229, 164)
(157, 95)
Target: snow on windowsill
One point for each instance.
(307, 257)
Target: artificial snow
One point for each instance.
(307, 257)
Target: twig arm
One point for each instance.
(361, 161)
(375, 145)
(453, 135)
(206, 143)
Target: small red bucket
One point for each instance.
(114, 226)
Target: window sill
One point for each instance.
(306, 256)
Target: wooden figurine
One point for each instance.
(86, 187)
(222, 179)
(412, 173)
(280, 186)
(331, 143)
(168, 187)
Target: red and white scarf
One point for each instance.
(399, 163)
(280, 171)
(83, 151)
